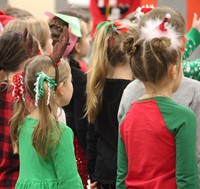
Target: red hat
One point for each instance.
(4, 19)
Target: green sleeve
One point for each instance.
(186, 163)
(65, 162)
(122, 165)
(191, 69)
(192, 43)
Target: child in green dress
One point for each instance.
(44, 144)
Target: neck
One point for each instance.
(153, 91)
(121, 71)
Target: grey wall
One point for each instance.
(3, 4)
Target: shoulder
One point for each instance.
(65, 130)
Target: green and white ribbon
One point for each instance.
(39, 86)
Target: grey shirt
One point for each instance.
(188, 94)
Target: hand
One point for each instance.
(196, 22)
(92, 185)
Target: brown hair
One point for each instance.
(12, 53)
(48, 122)
(110, 53)
(151, 59)
(16, 12)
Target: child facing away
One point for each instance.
(109, 73)
(75, 109)
(44, 144)
(157, 137)
(12, 60)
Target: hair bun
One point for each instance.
(160, 44)
(129, 46)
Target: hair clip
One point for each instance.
(39, 88)
(18, 87)
(160, 28)
(163, 25)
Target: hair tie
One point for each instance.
(39, 88)
(18, 87)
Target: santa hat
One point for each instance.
(4, 19)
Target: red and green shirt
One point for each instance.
(157, 146)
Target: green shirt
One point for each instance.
(58, 170)
(191, 69)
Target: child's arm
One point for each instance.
(91, 151)
(186, 164)
(122, 164)
(191, 69)
(193, 38)
(65, 162)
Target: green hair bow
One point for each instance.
(39, 88)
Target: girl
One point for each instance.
(12, 60)
(75, 110)
(157, 140)
(109, 73)
(45, 145)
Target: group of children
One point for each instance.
(120, 122)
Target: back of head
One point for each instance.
(16, 12)
(151, 59)
(36, 27)
(12, 53)
(109, 42)
(43, 63)
(77, 12)
(158, 13)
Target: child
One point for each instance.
(109, 73)
(79, 46)
(12, 60)
(157, 138)
(77, 12)
(75, 110)
(45, 145)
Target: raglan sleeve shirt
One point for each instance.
(183, 128)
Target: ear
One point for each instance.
(173, 72)
(60, 89)
(183, 41)
(77, 47)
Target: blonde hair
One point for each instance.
(38, 28)
(48, 125)
(106, 53)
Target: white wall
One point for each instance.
(81, 3)
(36, 7)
